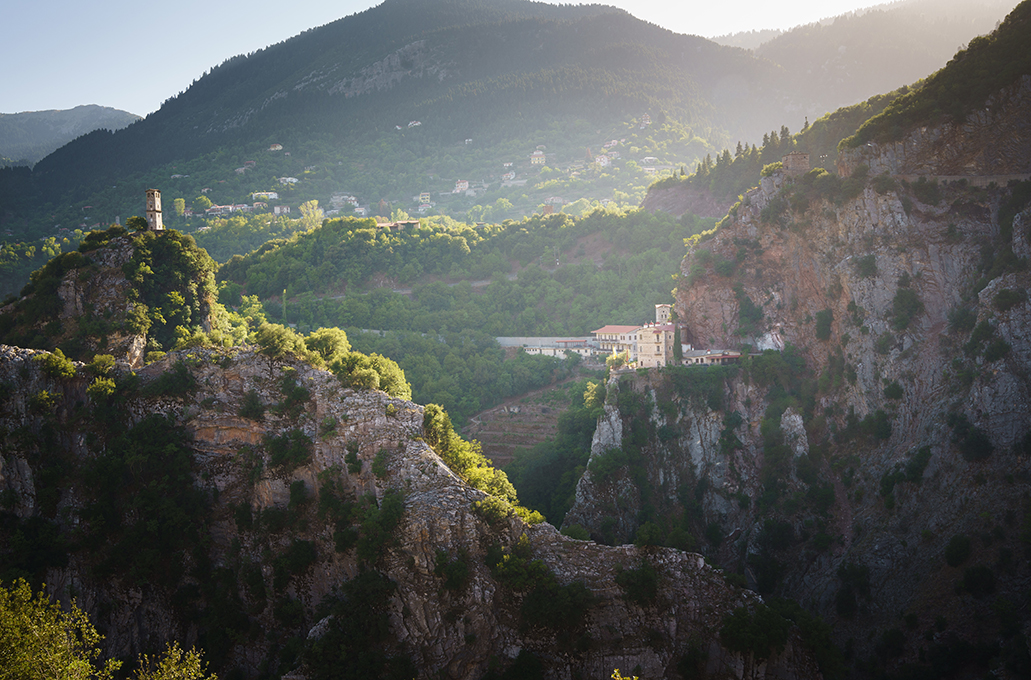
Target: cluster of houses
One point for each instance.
(229, 209)
(462, 187)
(645, 346)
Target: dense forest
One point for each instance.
(730, 174)
(437, 295)
(545, 275)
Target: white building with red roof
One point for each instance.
(615, 339)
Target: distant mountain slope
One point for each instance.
(748, 40)
(32, 135)
(972, 80)
(494, 71)
(488, 80)
(996, 141)
(468, 62)
(847, 59)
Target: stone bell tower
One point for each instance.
(154, 210)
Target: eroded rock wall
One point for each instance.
(445, 632)
(843, 496)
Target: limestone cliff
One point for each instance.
(873, 462)
(288, 479)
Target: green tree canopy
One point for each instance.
(39, 640)
(372, 371)
(278, 343)
(136, 223)
(201, 203)
(175, 664)
(329, 343)
(311, 214)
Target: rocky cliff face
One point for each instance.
(994, 140)
(287, 483)
(875, 465)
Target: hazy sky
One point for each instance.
(57, 54)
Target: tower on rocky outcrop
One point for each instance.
(663, 313)
(154, 210)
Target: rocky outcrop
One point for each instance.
(452, 632)
(102, 291)
(865, 460)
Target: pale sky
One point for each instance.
(58, 54)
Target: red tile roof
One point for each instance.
(615, 329)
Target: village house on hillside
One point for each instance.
(655, 345)
(558, 347)
(708, 357)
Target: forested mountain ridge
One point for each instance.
(31, 135)
(993, 72)
(485, 82)
(469, 69)
(976, 77)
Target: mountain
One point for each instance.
(869, 454)
(415, 97)
(842, 60)
(987, 74)
(993, 142)
(27, 137)
(508, 75)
